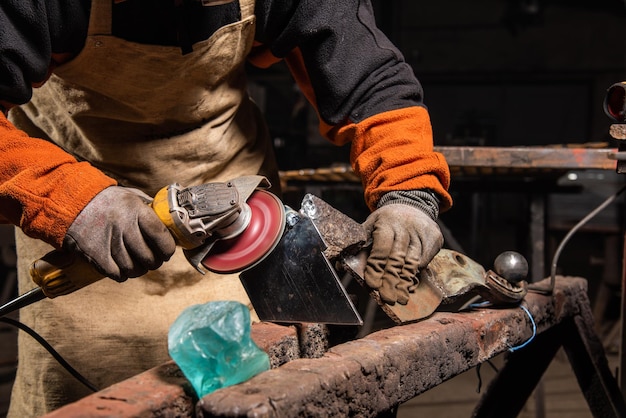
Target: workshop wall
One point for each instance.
(513, 72)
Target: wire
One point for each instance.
(50, 350)
(532, 337)
(480, 379)
(557, 253)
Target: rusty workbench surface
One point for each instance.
(471, 160)
(529, 157)
(372, 375)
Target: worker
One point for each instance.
(105, 102)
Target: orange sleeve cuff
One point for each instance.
(43, 188)
(393, 151)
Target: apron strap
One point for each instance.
(100, 17)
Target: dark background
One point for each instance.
(495, 73)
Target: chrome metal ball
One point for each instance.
(512, 266)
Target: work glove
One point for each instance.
(405, 238)
(120, 234)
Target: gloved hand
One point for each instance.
(404, 239)
(120, 234)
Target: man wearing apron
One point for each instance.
(108, 95)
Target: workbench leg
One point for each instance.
(509, 391)
(586, 355)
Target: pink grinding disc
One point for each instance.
(267, 223)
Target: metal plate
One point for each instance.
(296, 283)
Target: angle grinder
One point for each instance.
(222, 227)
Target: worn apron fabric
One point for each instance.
(147, 116)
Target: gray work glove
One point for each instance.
(120, 234)
(405, 238)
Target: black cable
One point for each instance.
(50, 350)
(480, 379)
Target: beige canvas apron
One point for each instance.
(147, 116)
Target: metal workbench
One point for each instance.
(371, 376)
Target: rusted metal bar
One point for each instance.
(510, 158)
(331, 174)
(488, 161)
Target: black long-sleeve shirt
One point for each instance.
(353, 69)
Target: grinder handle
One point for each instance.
(59, 273)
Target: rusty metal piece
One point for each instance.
(454, 274)
(347, 248)
(552, 158)
(447, 277)
(469, 160)
(340, 233)
(330, 174)
(500, 291)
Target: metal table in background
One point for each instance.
(529, 162)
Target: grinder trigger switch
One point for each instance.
(197, 214)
